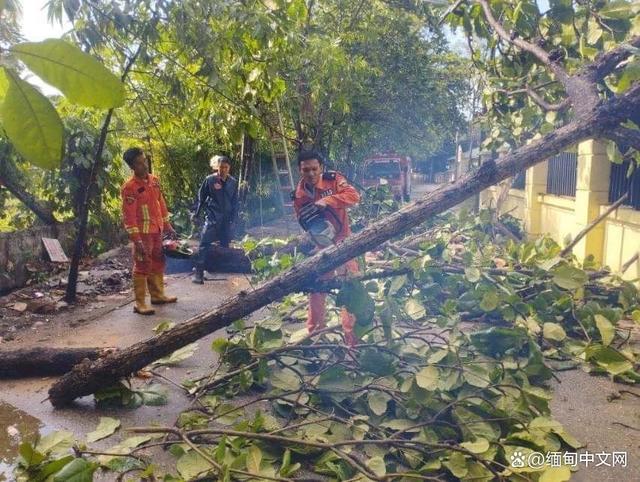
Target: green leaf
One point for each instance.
(191, 465)
(124, 447)
(79, 76)
(472, 274)
(490, 301)
(415, 309)
(79, 470)
(569, 277)
(377, 466)
(478, 446)
(29, 456)
(177, 356)
(614, 153)
(476, 375)
(355, 298)
(594, 32)
(556, 474)
(55, 443)
(457, 464)
(4, 85)
(427, 378)
(496, 341)
(629, 75)
(220, 345)
(254, 459)
(163, 326)
(553, 331)
(105, 428)
(378, 402)
(397, 283)
(285, 379)
(617, 10)
(32, 124)
(635, 316)
(606, 328)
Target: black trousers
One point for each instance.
(212, 232)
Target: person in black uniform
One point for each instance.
(218, 198)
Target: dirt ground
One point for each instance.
(595, 410)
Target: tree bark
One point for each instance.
(87, 378)
(37, 362)
(81, 234)
(10, 179)
(78, 249)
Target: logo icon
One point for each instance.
(517, 459)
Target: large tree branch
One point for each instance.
(10, 179)
(88, 377)
(580, 88)
(537, 98)
(624, 136)
(606, 62)
(541, 54)
(542, 103)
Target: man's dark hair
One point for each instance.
(131, 154)
(224, 159)
(308, 155)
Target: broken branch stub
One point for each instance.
(88, 377)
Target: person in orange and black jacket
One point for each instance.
(146, 218)
(331, 195)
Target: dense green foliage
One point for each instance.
(572, 33)
(449, 378)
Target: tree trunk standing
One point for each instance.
(70, 295)
(87, 378)
(78, 248)
(10, 178)
(247, 154)
(43, 361)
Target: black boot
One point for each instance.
(198, 276)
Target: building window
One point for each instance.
(621, 181)
(561, 174)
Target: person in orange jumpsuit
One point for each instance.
(145, 218)
(332, 194)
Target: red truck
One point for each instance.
(389, 169)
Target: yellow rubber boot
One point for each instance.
(156, 288)
(140, 292)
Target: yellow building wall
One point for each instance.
(612, 242)
(622, 240)
(558, 218)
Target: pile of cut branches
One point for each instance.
(460, 330)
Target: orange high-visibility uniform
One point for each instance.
(338, 195)
(145, 217)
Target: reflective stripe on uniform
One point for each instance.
(146, 219)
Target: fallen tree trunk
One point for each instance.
(87, 378)
(34, 362)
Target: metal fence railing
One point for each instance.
(621, 182)
(561, 174)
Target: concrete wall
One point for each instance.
(613, 242)
(20, 247)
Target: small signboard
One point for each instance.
(54, 250)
